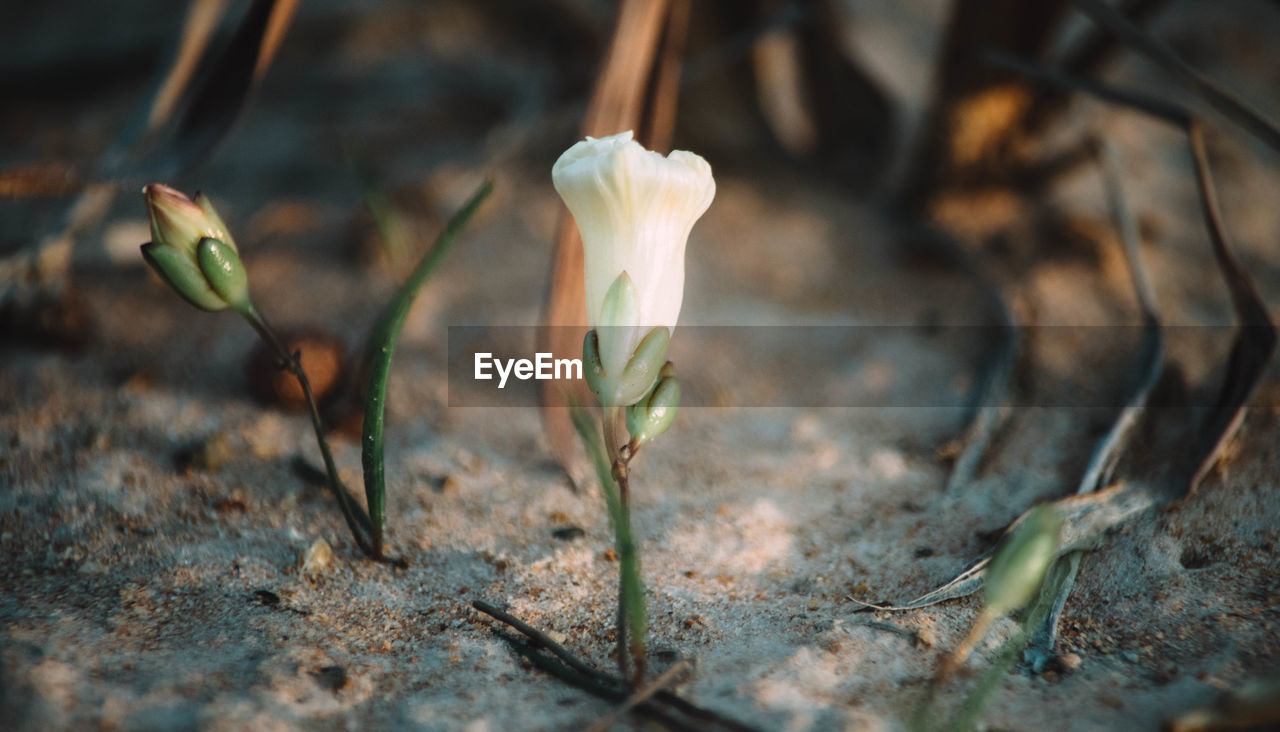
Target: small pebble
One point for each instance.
(267, 597)
(333, 678)
(568, 533)
(317, 557)
(926, 637)
(1071, 661)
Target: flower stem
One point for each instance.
(632, 623)
(357, 521)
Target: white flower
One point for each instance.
(635, 209)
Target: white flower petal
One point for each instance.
(634, 209)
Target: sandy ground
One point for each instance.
(138, 594)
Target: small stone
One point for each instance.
(207, 455)
(92, 566)
(316, 558)
(235, 502)
(1071, 661)
(267, 597)
(568, 533)
(926, 637)
(333, 678)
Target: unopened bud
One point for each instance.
(1024, 557)
(192, 251)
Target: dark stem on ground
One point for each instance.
(357, 520)
(662, 705)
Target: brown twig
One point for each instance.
(574, 671)
(642, 695)
(542, 640)
(608, 693)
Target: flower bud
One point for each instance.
(1024, 557)
(652, 416)
(192, 252)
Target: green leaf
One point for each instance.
(383, 345)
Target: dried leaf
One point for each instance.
(217, 100)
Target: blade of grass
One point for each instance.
(1256, 336)
(383, 345)
(1255, 340)
(1112, 446)
(202, 19)
(218, 98)
(1227, 103)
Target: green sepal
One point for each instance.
(592, 369)
(637, 378)
(643, 368)
(619, 317)
(224, 272)
(652, 416)
(182, 274)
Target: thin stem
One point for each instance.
(357, 521)
(632, 623)
(611, 469)
(631, 590)
(617, 510)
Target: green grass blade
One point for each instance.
(383, 346)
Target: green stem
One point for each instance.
(382, 345)
(355, 517)
(631, 593)
(632, 623)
